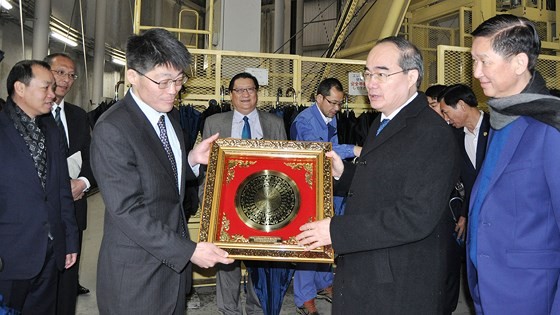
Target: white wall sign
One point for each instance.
(259, 73)
(356, 84)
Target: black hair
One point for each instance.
(23, 72)
(326, 85)
(434, 90)
(243, 75)
(156, 47)
(511, 35)
(458, 92)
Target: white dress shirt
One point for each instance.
(153, 117)
(238, 123)
(471, 140)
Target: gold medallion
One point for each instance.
(267, 200)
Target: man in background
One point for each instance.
(318, 123)
(38, 232)
(392, 239)
(459, 108)
(243, 122)
(73, 124)
(139, 160)
(432, 94)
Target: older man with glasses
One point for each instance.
(244, 122)
(391, 241)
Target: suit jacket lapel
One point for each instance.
(21, 151)
(227, 124)
(482, 140)
(264, 123)
(508, 149)
(71, 122)
(395, 125)
(145, 127)
(178, 131)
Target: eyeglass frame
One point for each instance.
(167, 82)
(61, 73)
(335, 103)
(239, 91)
(380, 76)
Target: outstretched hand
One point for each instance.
(201, 152)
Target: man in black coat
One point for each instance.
(73, 124)
(38, 232)
(391, 243)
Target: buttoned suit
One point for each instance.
(143, 265)
(27, 211)
(518, 236)
(79, 139)
(392, 240)
(228, 277)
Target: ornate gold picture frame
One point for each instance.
(259, 192)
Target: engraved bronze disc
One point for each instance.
(267, 200)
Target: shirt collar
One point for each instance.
(478, 124)
(237, 116)
(152, 114)
(396, 111)
(325, 118)
(55, 106)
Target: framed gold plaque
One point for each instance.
(259, 192)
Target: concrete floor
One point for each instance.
(205, 298)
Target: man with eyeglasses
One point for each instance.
(73, 124)
(391, 241)
(318, 123)
(245, 121)
(140, 163)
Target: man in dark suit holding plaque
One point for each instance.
(391, 242)
(140, 163)
(243, 122)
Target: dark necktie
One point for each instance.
(382, 125)
(59, 123)
(167, 147)
(331, 132)
(246, 133)
(169, 152)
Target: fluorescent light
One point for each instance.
(64, 39)
(118, 61)
(5, 4)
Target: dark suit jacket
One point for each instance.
(79, 140)
(469, 171)
(26, 210)
(393, 237)
(144, 259)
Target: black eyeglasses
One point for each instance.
(164, 84)
(336, 103)
(240, 91)
(380, 76)
(62, 74)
